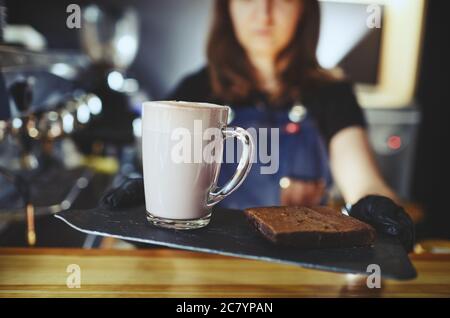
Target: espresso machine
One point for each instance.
(110, 38)
(42, 105)
(58, 109)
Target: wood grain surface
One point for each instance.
(173, 273)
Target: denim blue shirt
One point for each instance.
(302, 155)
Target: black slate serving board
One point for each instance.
(229, 233)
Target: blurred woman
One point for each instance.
(261, 60)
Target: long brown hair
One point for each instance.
(232, 75)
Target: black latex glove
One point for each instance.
(130, 193)
(386, 217)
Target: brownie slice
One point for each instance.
(310, 227)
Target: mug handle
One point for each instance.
(245, 163)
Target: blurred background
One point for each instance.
(70, 99)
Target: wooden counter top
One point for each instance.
(172, 273)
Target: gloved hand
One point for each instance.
(386, 217)
(128, 194)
